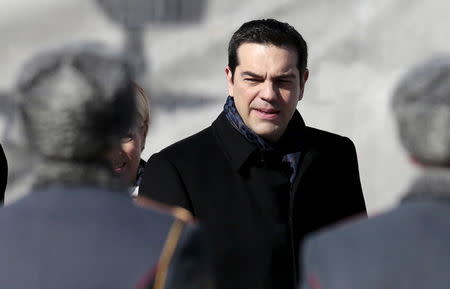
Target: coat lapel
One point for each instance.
(307, 158)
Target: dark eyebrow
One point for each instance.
(286, 76)
(251, 74)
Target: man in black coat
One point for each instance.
(3, 174)
(79, 228)
(406, 247)
(258, 178)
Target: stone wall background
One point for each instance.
(358, 51)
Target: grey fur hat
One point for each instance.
(75, 103)
(421, 104)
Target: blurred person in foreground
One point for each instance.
(3, 174)
(126, 159)
(406, 247)
(79, 228)
(258, 178)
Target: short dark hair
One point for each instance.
(268, 31)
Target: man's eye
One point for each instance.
(251, 80)
(285, 83)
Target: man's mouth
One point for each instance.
(267, 113)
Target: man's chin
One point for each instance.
(269, 132)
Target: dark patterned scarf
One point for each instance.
(289, 157)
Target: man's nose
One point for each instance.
(269, 91)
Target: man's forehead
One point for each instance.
(255, 45)
(256, 56)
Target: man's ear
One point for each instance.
(230, 81)
(303, 78)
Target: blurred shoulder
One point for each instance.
(359, 232)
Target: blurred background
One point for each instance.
(178, 48)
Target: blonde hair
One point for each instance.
(142, 105)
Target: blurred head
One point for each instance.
(266, 75)
(125, 159)
(421, 104)
(76, 103)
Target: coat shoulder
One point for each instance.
(321, 136)
(192, 145)
(388, 242)
(328, 141)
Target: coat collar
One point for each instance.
(73, 173)
(239, 150)
(432, 184)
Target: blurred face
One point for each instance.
(266, 87)
(125, 160)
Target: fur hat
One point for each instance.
(76, 102)
(421, 105)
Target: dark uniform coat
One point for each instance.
(253, 215)
(90, 238)
(404, 248)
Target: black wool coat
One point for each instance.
(254, 217)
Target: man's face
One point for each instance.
(266, 87)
